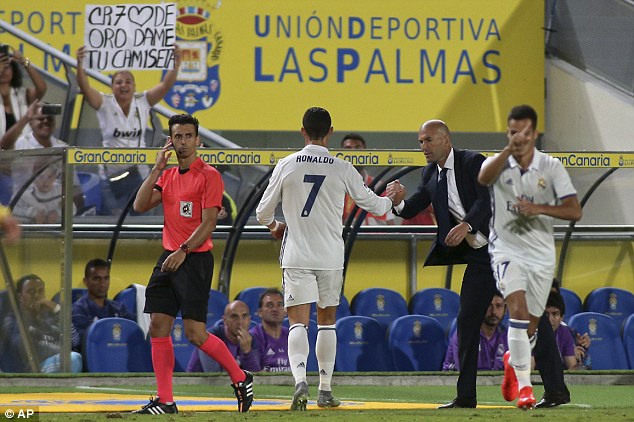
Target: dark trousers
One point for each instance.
(548, 359)
(476, 294)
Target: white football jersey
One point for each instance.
(528, 239)
(311, 184)
(119, 130)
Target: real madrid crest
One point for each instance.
(592, 327)
(541, 183)
(358, 330)
(438, 302)
(116, 332)
(417, 328)
(177, 332)
(380, 302)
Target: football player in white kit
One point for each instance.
(311, 184)
(528, 190)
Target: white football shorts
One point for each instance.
(307, 286)
(512, 275)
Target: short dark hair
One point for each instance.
(354, 137)
(16, 79)
(95, 263)
(317, 122)
(522, 112)
(20, 284)
(183, 119)
(270, 291)
(498, 293)
(555, 300)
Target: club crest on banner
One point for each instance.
(198, 85)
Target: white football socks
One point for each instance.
(520, 349)
(326, 351)
(298, 349)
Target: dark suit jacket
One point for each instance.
(475, 200)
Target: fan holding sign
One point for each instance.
(123, 114)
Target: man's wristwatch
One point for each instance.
(183, 247)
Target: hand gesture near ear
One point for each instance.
(163, 155)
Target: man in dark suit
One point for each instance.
(462, 208)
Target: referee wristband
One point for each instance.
(277, 226)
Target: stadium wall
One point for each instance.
(374, 263)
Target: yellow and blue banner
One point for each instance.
(376, 65)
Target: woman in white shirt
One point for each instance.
(123, 117)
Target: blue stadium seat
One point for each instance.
(384, 305)
(628, 339)
(343, 310)
(127, 296)
(572, 302)
(617, 303)
(183, 349)
(361, 345)
(438, 303)
(417, 343)
(76, 294)
(91, 187)
(216, 306)
(606, 346)
(117, 345)
(251, 296)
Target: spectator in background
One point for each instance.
(15, 97)
(123, 119)
(41, 203)
(95, 304)
(356, 142)
(493, 340)
(40, 135)
(555, 311)
(11, 230)
(270, 335)
(234, 332)
(41, 318)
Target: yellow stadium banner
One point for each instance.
(268, 157)
(375, 65)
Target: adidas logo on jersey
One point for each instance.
(270, 352)
(509, 182)
(301, 365)
(322, 372)
(290, 297)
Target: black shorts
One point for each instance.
(186, 289)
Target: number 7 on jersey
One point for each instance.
(317, 181)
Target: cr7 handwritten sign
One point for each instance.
(130, 36)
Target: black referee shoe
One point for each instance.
(155, 407)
